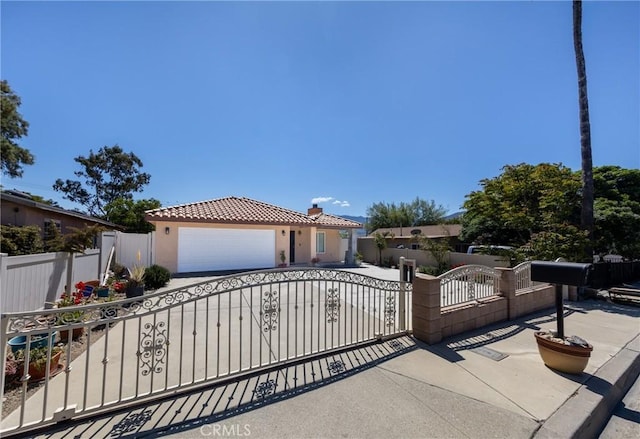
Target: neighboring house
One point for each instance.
(409, 237)
(19, 209)
(240, 233)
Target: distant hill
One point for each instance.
(453, 216)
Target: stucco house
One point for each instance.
(19, 209)
(237, 233)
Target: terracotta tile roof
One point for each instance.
(332, 220)
(235, 210)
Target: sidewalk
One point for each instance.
(486, 383)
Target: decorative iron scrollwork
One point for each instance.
(265, 389)
(390, 310)
(471, 290)
(153, 349)
(396, 345)
(336, 367)
(270, 311)
(332, 305)
(131, 422)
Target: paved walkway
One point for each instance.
(486, 383)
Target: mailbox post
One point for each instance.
(560, 273)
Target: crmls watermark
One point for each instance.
(225, 430)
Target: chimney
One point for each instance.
(314, 210)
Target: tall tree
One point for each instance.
(416, 213)
(108, 175)
(130, 214)
(13, 128)
(586, 217)
(524, 200)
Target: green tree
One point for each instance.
(439, 249)
(81, 238)
(586, 215)
(108, 175)
(380, 240)
(13, 128)
(130, 214)
(522, 201)
(617, 211)
(617, 228)
(416, 213)
(53, 239)
(537, 208)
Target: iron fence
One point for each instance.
(173, 341)
(468, 284)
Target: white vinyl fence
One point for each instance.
(135, 249)
(27, 282)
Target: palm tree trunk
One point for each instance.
(586, 216)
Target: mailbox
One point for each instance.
(561, 273)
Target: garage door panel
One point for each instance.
(202, 249)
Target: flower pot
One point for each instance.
(566, 358)
(75, 334)
(37, 341)
(134, 290)
(38, 373)
(102, 292)
(88, 291)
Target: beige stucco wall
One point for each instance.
(367, 247)
(166, 245)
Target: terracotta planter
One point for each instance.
(75, 334)
(40, 373)
(571, 359)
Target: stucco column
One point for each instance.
(425, 303)
(508, 290)
(313, 251)
(348, 258)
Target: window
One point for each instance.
(320, 242)
(48, 233)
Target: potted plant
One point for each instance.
(283, 258)
(103, 291)
(135, 284)
(359, 259)
(13, 369)
(39, 360)
(38, 340)
(71, 316)
(565, 354)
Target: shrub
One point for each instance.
(119, 271)
(156, 277)
(24, 240)
(426, 269)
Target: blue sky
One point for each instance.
(347, 103)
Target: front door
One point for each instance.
(292, 247)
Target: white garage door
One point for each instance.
(201, 249)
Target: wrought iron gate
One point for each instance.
(176, 340)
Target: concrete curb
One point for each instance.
(586, 412)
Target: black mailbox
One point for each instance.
(561, 273)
